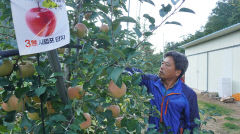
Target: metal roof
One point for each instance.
(211, 36)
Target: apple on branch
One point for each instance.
(76, 92)
(104, 28)
(115, 110)
(26, 69)
(81, 30)
(6, 68)
(50, 109)
(86, 123)
(33, 116)
(12, 104)
(115, 91)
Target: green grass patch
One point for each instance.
(231, 126)
(213, 109)
(231, 119)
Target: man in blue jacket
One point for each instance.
(174, 100)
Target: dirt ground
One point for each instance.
(217, 126)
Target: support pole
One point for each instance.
(60, 84)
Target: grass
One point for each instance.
(231, 119)
(213, 109)
(231, 126)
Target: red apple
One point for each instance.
(104, 28)
(41, 21)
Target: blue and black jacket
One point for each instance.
(178, 105)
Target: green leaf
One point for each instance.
(102, 8)
(131, 125)
(117, 29)
(116, 73)
(147, 44)
(21, 91)
(38, 129)
(52, 80)
(147, 33)
(150, 2)
(138, 128)
(4, 129)
(152, 27)
(174, 22)
(25, 122)
(115, 25)
(123, 131)
(129, 51)
(102, 36)
(105, 17)
(57, 118)
(10, 117)
(125, 19)
(39, 70)
(113, 2)
(138, 32)
(55, 74)
(68, 107)
(49, 4)
(150, 19)
(186, 10)
(118, 52)
(4, 81)
(93, 80)
(164, 10)
(39, 91)
(1, 91)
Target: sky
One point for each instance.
(169, 32)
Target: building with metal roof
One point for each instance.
(214, 62)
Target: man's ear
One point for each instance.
(178, 72)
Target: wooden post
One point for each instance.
(60, 84)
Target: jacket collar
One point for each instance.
(177, 88)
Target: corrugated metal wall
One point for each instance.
(214, 60)
(220, 66)
(236, 70)
(196, 75)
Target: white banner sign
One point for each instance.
(40, 25)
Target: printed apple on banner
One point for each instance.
(40, 25)
(41, 21)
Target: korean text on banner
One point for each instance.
(40, 25)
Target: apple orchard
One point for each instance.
(101, 96)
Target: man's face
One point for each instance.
(168, 70)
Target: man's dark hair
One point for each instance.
(180, 60)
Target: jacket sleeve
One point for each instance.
(193, 106)
(187, 123)
(194, 112)
(146, 78)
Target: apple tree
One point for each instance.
(101, 96)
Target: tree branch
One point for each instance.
(6, 27)
(174, 11)
(7, 35)
(15, 52)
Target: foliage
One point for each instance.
(225, 14)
